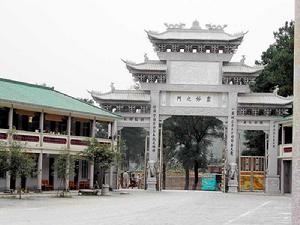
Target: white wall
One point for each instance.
(191, 72)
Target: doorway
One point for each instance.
(252, 173)
(287, 176)
(51, 172)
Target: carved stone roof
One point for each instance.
(204, 35)
(264, 98)
(238, 67)
(122, 95)
(157, 65)
(179, 32)
(151, 65)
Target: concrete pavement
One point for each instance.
(149, 208)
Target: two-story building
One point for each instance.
(285, 154)
(46, 122)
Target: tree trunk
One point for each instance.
(164, 174)
(102, 176)
(196, 166)
(187, 179)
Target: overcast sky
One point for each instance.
(77, 45)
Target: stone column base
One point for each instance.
(232, 186)
(272, 184)
(151, 184)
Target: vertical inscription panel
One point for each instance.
(154, 132)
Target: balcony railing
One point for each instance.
(49, 141)
(285, 150)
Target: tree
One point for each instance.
(205, 128)
(65, 166)
(189, 137)
(15, 160)
(278, 60)
(134, 139)
(169, 145)
(102, 130)
(255, 143)
(101, 155)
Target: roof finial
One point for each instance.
(112, 87)
(243, 59)
(195, 25)
(137, 86)
(215, 27)
(174, 26)
(276, 89)
(146, 57)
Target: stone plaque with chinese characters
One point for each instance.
(198, 99)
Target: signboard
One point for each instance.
(200, 99)
(209, 182)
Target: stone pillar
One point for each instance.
(109, 130)
(232, 143)
(94, 128)
(68, 148)
(41, 128)
(281, 177)
(296, 122)
(69, 124)
(146, 152)
(282, 134)
(10, 118)
(111, 176)
(91, 172)
(40, 171)
(160, 156)
(10, 126)
(153, 141)
(7, 181)
(91, 163)
(272, 178)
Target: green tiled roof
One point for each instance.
(25, 93)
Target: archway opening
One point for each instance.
(132, 157)
(193, 151)
(252, 160)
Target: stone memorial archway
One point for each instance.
(194, 76)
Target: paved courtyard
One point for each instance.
(144, 208)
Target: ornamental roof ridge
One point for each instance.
(275, 92)
(120, 91)
(241, 67)
(176, 31)
(119, 95)
(150, 65)
(243, 64)
(264, 98)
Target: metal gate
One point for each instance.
(252, 173)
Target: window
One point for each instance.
(4, 118)
(86, 130)
(288, 135)
(84, 169)
(26, 120)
